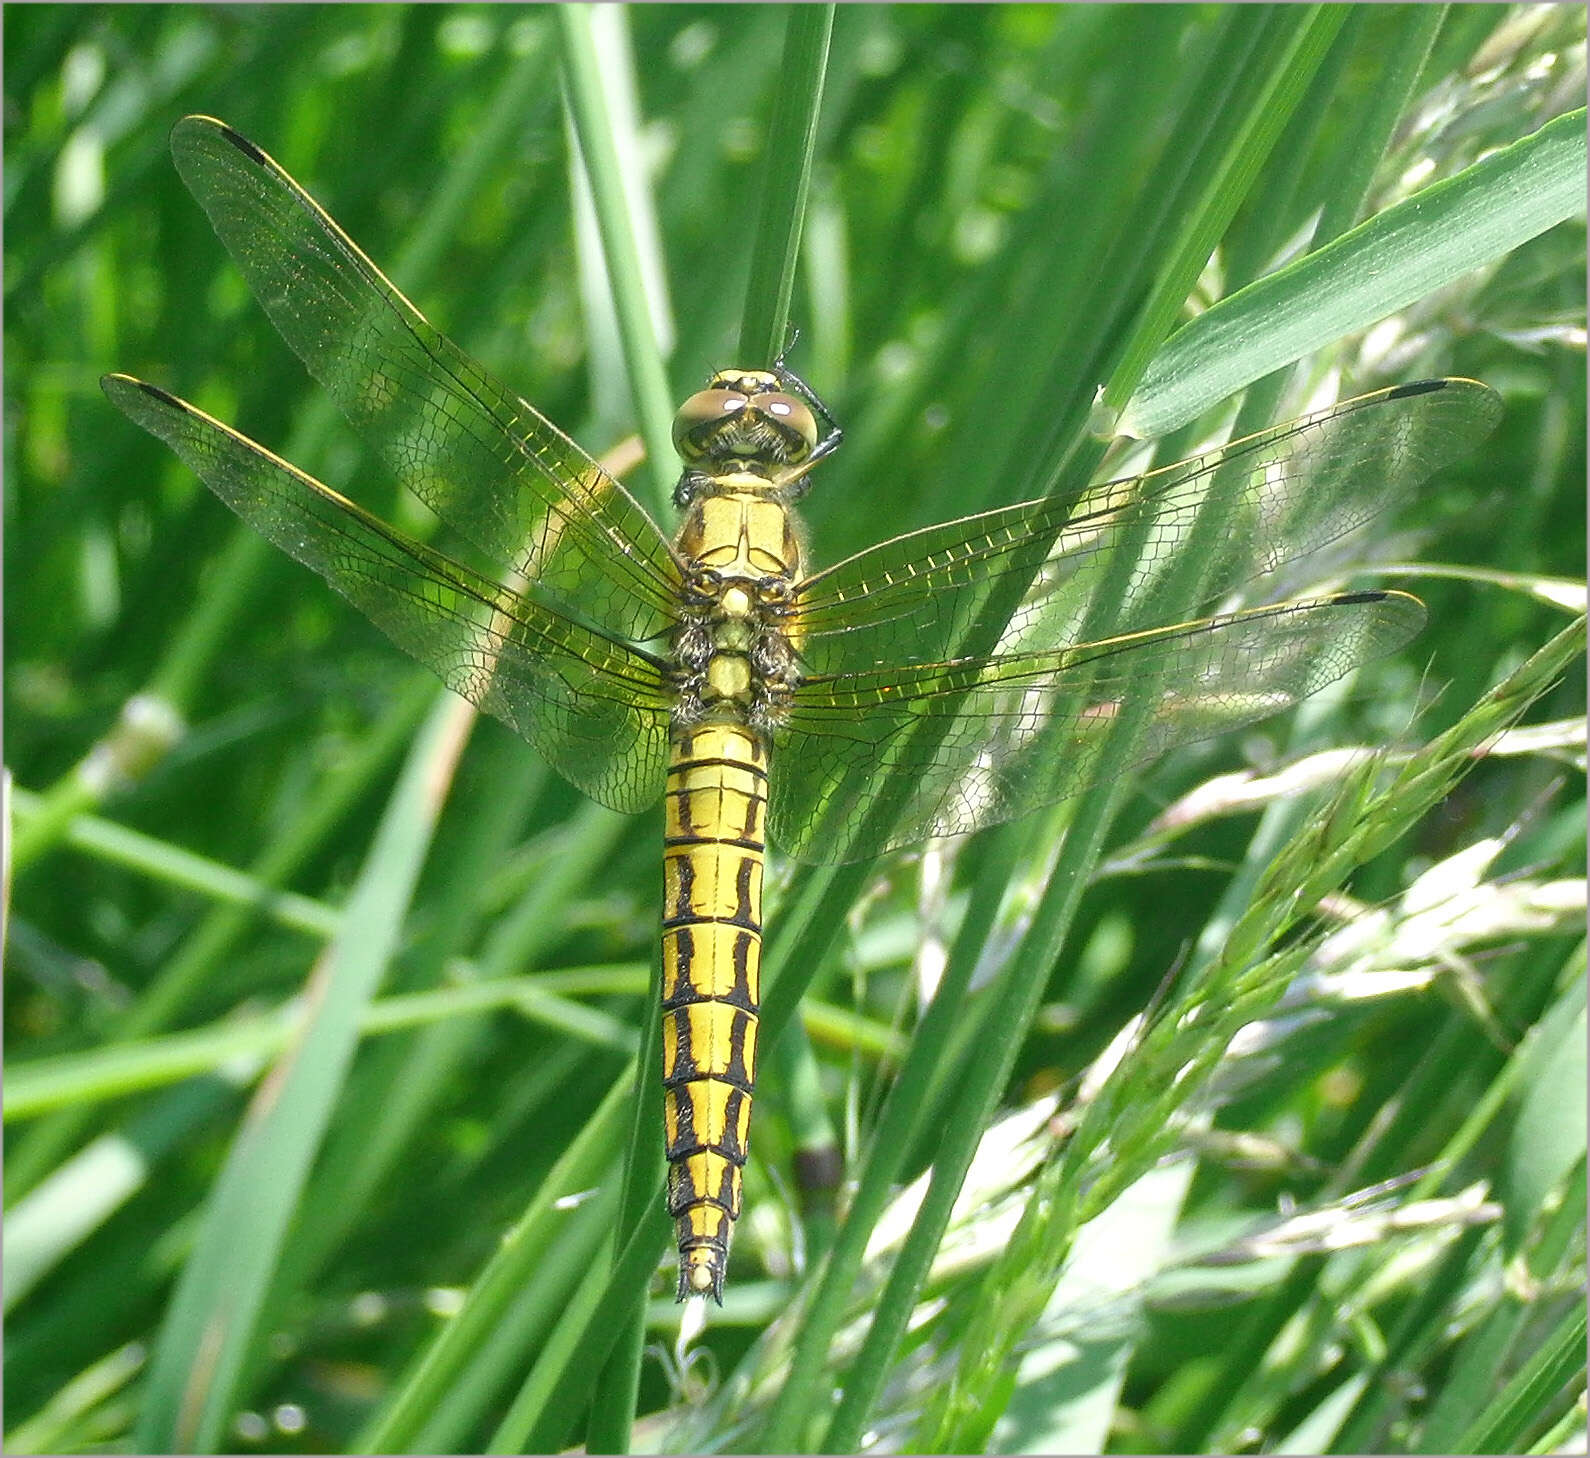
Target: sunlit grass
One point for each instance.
(1288, 1145)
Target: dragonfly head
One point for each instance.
(745, 420)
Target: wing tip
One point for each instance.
(119, 388)
(1487, 403)
(1344, 599)
(1418, 387)
(1400, 619)
(199, 125)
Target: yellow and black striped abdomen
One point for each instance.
(712, 960)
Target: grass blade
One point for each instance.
(210, 1332)
(1384, 264)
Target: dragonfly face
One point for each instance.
(747, 419)
(949, 679)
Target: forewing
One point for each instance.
(492, 468)
(872, 761)
(1035, 570)
(596, 708)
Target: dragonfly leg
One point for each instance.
(829, 440)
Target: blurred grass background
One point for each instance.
(996, 191)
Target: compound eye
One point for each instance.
(792, 412)
(700, 414)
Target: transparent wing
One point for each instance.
(1047, 565)
(595, 707)
(871, 761)
(492, 468)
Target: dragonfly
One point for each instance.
(946, 680)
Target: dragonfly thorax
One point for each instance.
(733, 654)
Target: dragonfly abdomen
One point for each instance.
(712, 957)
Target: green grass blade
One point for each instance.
(1551, 1119)
(613, 1406)
(45, 1084)
(210, 1332)
(81, 1194)
(1383, 265)
(786, 179)
(1014, 1005)
(440, 1364)
(185, 974)
(560, 1383)
(59, 1426)
(593, 122)
(1284, 60)
(1513, 1419)
(163, 862)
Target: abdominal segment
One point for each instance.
(712, 957)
